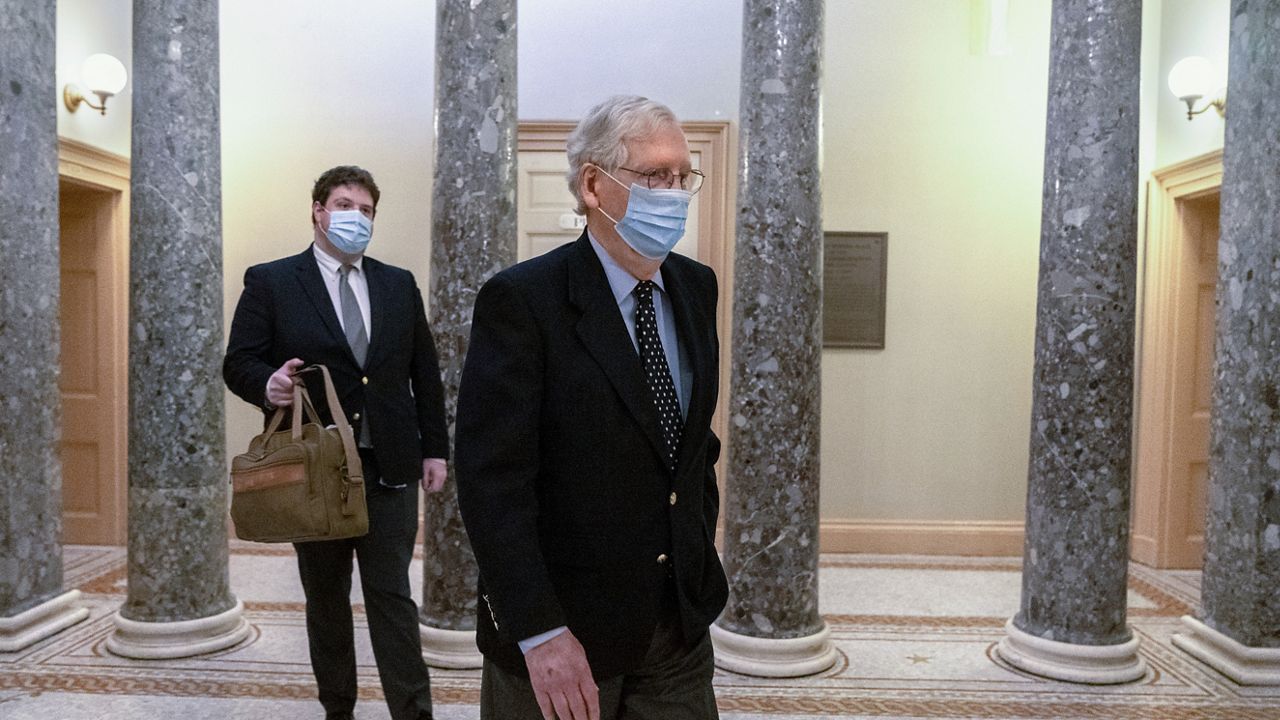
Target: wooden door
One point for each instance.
(1175, 368)
(1192, 381)
(92, 484)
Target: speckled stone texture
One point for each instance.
(1077, 532)
(177, 454)
(473, 235)
(771, 499)
(30, 473)
(1241, 586)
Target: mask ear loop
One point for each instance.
(616, 180)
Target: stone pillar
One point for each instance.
(1239, 633)
(180, 601)
(1071, 625)
(32, 603)
(771, 626)
(473, 235)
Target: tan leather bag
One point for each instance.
(301, 484)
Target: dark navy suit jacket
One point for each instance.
(561, 479)
(285, 312)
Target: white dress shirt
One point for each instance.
(329, 267)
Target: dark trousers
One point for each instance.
(673, 683)
(384, 555)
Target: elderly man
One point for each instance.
(585, 457)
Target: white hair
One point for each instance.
(602, 136)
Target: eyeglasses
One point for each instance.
(665, 179)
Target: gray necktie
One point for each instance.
(352, 321)
(357, 338)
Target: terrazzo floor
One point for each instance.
(916, 637)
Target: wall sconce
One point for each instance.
(1193, 78)
(104, 75)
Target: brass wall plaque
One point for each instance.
(854, 269)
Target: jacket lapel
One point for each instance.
(604, 333)
(691, 325)
(378, 293)
(313, 287)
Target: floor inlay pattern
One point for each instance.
(916, 637)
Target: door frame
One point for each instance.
(90, 167)
(1158, 529)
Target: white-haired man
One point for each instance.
(585, 457)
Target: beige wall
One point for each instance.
(1189, 27)
(942, 148)
(924, 138)
(306, 85)
(86, 27)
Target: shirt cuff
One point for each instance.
(530, 643)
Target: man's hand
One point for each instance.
(280, 385)
(434, 472)
(561, 679)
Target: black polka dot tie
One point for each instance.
(657, 372)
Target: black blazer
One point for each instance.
(285, 312)
(560, 472)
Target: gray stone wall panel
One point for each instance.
(1077, 529)
(1241, 587)
(771, 498)
(177, 454)
(473, 235)
(30, 472)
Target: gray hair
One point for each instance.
(601, 138)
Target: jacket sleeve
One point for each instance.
(245, 368)
(428, 391)
(710, 490)
(497, 457)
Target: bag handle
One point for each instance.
(355, 470)
(302, 401)
(302, 405)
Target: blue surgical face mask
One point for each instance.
(349, 231)
(654, 221)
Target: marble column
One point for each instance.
(33, 605)
(1072, 621)
(771, 626)
(1238, 632)
(473, 235)
(179, 600)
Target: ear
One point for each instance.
(588, 180)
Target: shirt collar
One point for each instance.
(331, 264)
(621, 282)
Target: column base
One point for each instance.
(1243, 664)
(182, 638)
(770, 657)
(31, 626)
(450, 649)
(1088, 664)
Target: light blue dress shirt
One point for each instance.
(623, 284)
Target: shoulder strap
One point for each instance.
(355, 472)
